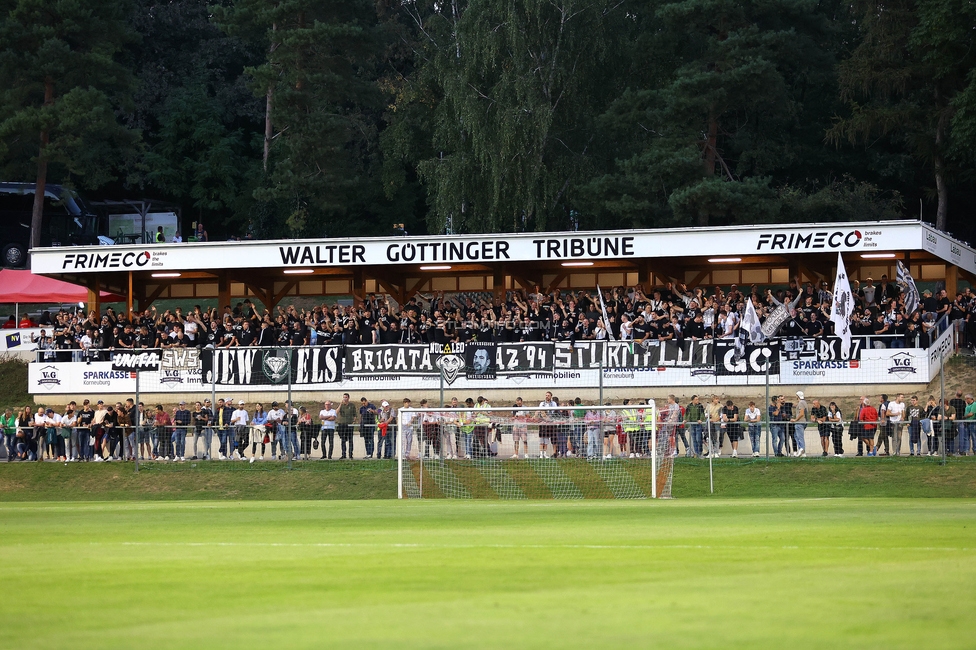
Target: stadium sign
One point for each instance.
(510, 247)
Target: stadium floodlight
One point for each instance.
(534, 452)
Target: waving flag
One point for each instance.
(909, 292)
(843, 305)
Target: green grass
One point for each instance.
(812, 477)
(695, 573)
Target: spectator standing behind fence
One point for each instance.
(799, 426)
(753, 419)
(181, 420)
(884, 429)
(8, 422)
(345, 418)
(367, 430)
(327, 427)
(163, 432)
(239, 420)
(714, 410)
(896, 422)
(970, 416)
(694, 419)
(386, 430)
(836, 420)
(730, 420)
(818, 414)
(776, 427)
(867, 418)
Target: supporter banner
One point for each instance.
(140, 360)
(515, 358)
(821, 348)
(481, 360)
(627, 354)
(774, 321)
(361, 360)
(754, 361)
(262, 367)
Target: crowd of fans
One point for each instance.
(126, 430)
(672, 312)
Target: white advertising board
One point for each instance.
(20, 339)
(520, 247)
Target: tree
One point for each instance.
(724, 110)
(62, 85)
(200, 120)
(323, 109)
(905, 80)
(508, 90)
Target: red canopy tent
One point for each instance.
(24, 286)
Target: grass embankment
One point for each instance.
(13, 384)
(849, 477)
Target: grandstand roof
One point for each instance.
(402, 265)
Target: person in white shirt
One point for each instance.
(896, 416)
(327, 418)
(50, 421)
(753, 417)
(239, 420)
(276, 417)
(626, 328)
(407, 417)
(68, 448)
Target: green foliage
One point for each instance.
(69, 50)
(905, 80)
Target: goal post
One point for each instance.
(569, 451)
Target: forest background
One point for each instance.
(322, 118)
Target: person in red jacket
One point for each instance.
(868, 417)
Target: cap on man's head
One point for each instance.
(927, 291)
(799, 394)
(99, 402)
(240, 402)
(50, 410)
(385, 403)
(182, 403)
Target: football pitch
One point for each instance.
(744, 573)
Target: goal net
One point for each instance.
(533, 452)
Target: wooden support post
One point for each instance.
(262, 294)
(498, 283)
(644, 277)
(128, 300)
(555, 282)
(951, 280)
(95, 297)
(358, 285)
(223, 292)
(698, 278)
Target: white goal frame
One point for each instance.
(617, 408)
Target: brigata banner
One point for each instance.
(272, 366)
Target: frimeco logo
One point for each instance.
(813, 240)
(105, 260)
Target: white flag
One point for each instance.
(840, 311)
(603, 308)
(751, 324)
(909, 292)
